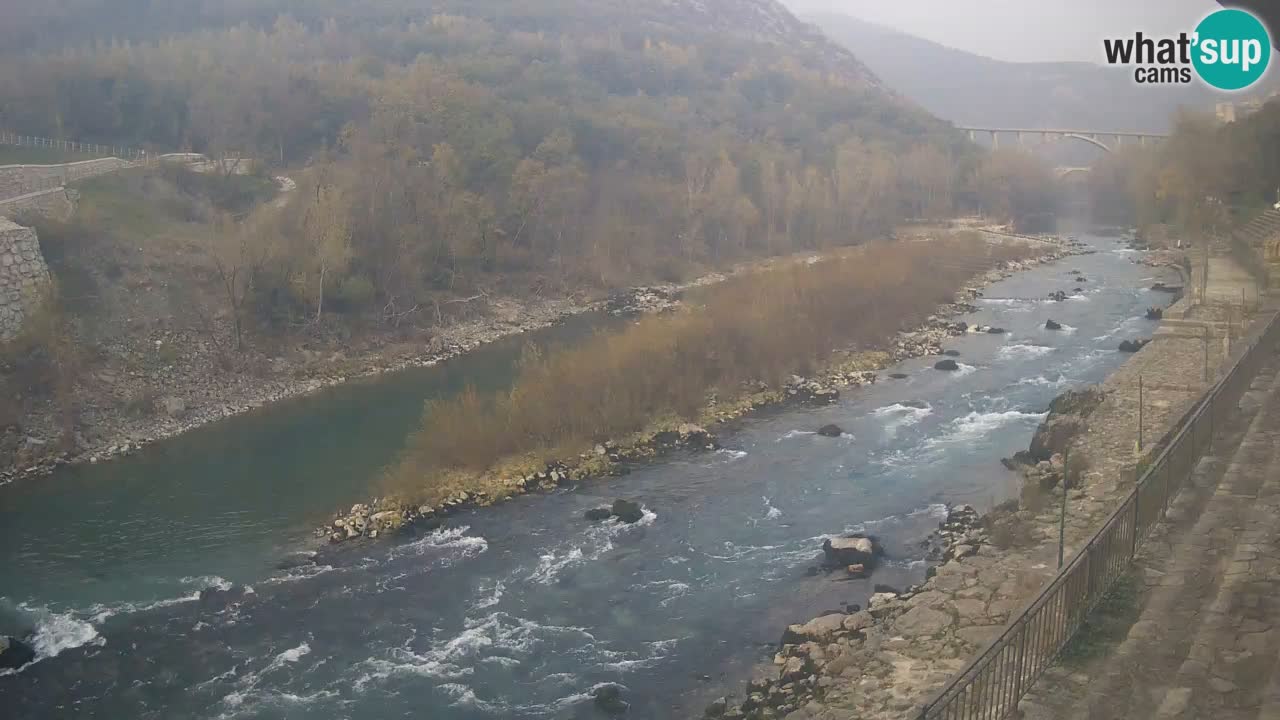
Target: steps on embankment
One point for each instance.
(1185, 565)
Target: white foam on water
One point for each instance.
(449, 538)
(1067, 329)
(598, 540)
(464, 696)
(208, 582)
(675, 590)
(247, 697)
(976, 425)
(731, 455)
(1079, 296)
(100, 613)
(1042, 381)
(898, 416)
(56, 633)
(795, 433)
(299, 573)
(963, 370)
(291, 655)
(493, 596)
(484, 639)
(770, 512)
(936, 511)
(1022, 352)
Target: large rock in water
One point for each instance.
(830, 430)
(608, 698)
(627, 511)
(947, 365)
(14, 653)
(855, 550)
(1052, 324)
(1063, 423)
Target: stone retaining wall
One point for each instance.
(55, 203)
(23, 276)
(16, 180)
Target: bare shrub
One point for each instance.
(762, 326)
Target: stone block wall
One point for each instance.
(18, 180)
(56, 203)
(23, 276)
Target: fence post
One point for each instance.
(1137, 494)
(1062, 519)
(1139, 413)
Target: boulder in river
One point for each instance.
(1052, 324)
(1132, 346)
(598, 514)
(1155, 313)
(854, 549)
(1161, 287)
(830, 430)
(627, 511)
(220, 597)
(996, 331)
(898, 376)
(1058, 296)
(297, 560)
(608, 698)
(14, 653)
(951, 353)
(946, 365)
(1064, 421)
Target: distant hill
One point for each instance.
(970, 89)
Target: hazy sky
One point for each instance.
(1023, 30)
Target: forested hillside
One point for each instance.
(598, 141)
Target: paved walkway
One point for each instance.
(1204, 645)
(1206, 641)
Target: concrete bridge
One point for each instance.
(1097, 138)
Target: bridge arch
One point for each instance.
(1090, 140)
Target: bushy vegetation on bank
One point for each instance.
(762, 326)
(1201, 180)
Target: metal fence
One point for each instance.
(120, 151)
(993, 682)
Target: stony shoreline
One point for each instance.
(385, 515)
(127, 435)
(195, 393)
(881, 662)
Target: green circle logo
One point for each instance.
(1232, 49)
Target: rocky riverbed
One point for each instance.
(850, 369)
(882, 661)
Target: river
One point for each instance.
(518, 610)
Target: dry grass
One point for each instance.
(765, 326)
